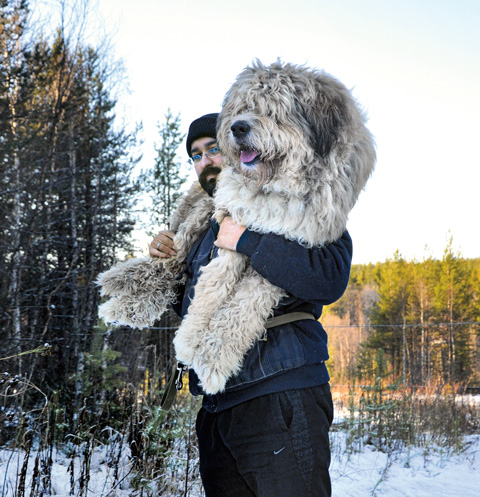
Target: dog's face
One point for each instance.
(287, 120)
(257, 123)
(257, 145)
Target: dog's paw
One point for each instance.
(123, 278)
(212, 382)
(184, 350)
(141, 277)
(126, 311)
(114, 312)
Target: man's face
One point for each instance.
(207, 168)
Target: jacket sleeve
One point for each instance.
(315, 274)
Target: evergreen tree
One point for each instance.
(164, 180)
(162, 184)
(421, 312)
(389, 315)
(453, 305)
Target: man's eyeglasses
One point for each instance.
(210, 153)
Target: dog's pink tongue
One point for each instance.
(248, 155)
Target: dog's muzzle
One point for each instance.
(240, 130)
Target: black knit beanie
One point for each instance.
(200, 128)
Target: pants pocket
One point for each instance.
(285, 410)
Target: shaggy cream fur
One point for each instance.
(297, 154)
(141, 289)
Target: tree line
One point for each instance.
(415, 322)
(69, 202)
(66, 196)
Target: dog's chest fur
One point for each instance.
(274, 209)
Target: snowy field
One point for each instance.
(405, 473)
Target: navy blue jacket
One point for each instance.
(293, 355)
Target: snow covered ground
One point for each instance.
(406, 473)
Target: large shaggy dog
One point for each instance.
(297, 154)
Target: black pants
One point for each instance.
(273, 446)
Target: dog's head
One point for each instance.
(294, 123)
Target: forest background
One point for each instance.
(70, 199)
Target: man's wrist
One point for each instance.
(248, 242)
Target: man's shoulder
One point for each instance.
(195, 203)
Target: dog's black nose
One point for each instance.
(240, 128)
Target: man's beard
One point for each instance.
(210, 185)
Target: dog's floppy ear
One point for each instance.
(327, 116)
(324, 131)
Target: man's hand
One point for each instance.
(229, 234)
(162, 245)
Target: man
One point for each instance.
(267, 434)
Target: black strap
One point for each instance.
(174, 384)
(288, 318)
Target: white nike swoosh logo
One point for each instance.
(276, 452)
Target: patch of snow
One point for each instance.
(413, 472)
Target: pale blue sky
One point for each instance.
(414, 65)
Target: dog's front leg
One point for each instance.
(234, 329)
(215, 285)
